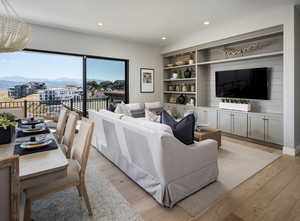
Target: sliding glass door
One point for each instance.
(105, 78)
(40, 83)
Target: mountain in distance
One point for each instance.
(11, 81)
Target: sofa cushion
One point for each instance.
(157, 127)
(182, 130)
(153, 105)
(136, 110)
(111, 114)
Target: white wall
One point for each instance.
(139, 55)
(281, 15)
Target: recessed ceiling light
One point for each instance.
(100, 24)
(206, 23)
(164, 38)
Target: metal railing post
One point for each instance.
(25, 108)
(71, 104)
(107, 98)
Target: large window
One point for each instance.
(42, 82)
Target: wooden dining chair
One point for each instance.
(68, 137)
(76, 171)
(61, 124)
(11, 205)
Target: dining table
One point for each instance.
(38, 167)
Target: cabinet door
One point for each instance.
(226, 121)
(239, 122)
(274, 129)
(256, 127)
(202, 116)
(212, 117)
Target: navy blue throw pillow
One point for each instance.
(182, 130)
(112, 107)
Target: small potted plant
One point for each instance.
(7, 127)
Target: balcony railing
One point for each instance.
(50, 109)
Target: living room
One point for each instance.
(183, 111)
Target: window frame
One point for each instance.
(84, 70)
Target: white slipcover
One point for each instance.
(150, 155)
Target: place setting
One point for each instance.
(34, 144)
(31, 126)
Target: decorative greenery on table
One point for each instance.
(236, 101)
(7, 127)
(7, 119)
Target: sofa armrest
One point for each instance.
(179, 159)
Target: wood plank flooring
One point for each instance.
(272, 194)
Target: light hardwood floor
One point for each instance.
(272, 194)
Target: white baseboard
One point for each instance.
(291, 151)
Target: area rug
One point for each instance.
(107, 203)
(236, 164)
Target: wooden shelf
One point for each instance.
(179, 92)
(180, 66)
(178, 104)
(181, 79)
(242, 58)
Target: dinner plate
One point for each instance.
(31, 145)
(33, 130)
(29, 121)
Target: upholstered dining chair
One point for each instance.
(61, 124)
(69, 133)
(11, 205)
(76, 171)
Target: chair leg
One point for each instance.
(79, 191)
(86, 198)
(27, 215)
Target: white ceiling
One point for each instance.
(138, 20)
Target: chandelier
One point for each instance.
(15, 34)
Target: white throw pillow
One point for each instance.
(153, 105)
(122, 109)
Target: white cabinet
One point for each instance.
(239, 123)
(226, 121)
(234, 122)
(207, 116)
(256, 126)
(259, 126)
(274, 129)
(266, 127)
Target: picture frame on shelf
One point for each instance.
(147, 80)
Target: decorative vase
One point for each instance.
(184, 88)
(181, 99)
(192, 88)
(178, 88)
(6, 134)
(175, 75)
(188, 73)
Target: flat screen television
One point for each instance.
(245, 83)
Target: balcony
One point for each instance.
(50, 109)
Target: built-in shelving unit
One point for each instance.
(242, 58)
(201, 59)
(181, 79)
(179, 92)
(180, 66)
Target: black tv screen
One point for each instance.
(245, 83)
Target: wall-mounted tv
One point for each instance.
(244, 83)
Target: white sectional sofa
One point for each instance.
(150, 155)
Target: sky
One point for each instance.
(51, 66)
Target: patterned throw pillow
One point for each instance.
(152, 116)
(182, 130)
